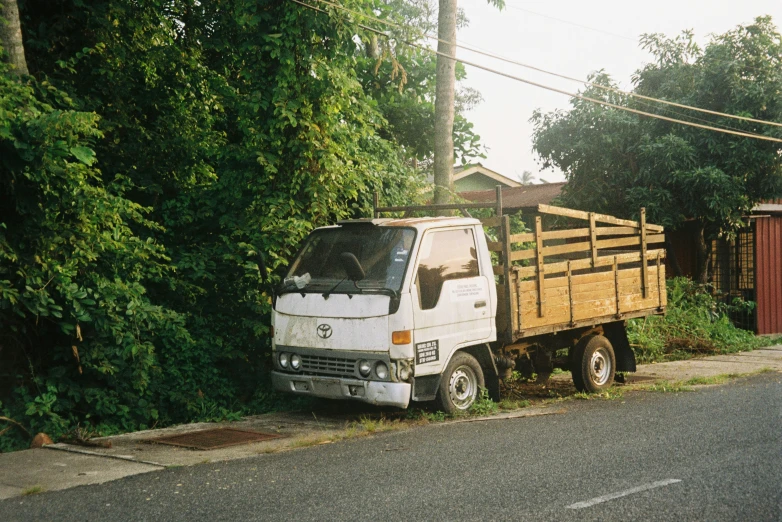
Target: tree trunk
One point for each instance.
(702, 251)
(444, 102)
(11, 37)
(673, 261)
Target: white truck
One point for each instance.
(393, 310)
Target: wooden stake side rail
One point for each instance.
(551, 295)
(600, 218)
(578, 299)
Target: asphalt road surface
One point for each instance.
(713, 454)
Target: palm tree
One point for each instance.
(444, 99)
(527, 178)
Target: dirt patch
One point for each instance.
(536, 393)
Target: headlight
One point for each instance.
(381, 370)
(364, 368)
(295, 361)
(404, 373)
(283, 360)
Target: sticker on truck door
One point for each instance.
(427, 352)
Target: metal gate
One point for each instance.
(768, 273)
(733, 276)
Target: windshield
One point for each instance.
(383, 253)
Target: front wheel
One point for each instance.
(593, 364)
(460, 384)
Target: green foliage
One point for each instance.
(80, 333)
(617, 162)
(514, 404)
(401, 80)
(695, 323)
(156, 151)
(483, 404)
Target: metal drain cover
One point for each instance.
(214, 438)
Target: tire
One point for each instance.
(593, 364)
(460, 384)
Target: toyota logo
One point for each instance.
(324, 331)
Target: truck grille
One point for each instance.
(318, 365)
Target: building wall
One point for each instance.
(768, 252)
(475, 181)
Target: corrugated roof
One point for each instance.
(526, 196)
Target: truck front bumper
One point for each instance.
(374, 392)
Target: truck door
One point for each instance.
(451, 305)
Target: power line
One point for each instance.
(544, 71)
(510, 6)
(554, 89)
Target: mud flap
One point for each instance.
(490, 374)
(425, 387)
(617, 335)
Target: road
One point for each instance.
(712, 454)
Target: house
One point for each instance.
(748, 267)
(525, 198)
(477, 177)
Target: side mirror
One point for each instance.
(352, 266)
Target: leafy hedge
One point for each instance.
(153, 154)
(695, 323)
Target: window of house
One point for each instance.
(445, 255)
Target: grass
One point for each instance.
(313, 440)
(606, 395)
(514, 404)
(425, 417)
(723, 378)
(33, 490)
(483, 404)
(666, 387)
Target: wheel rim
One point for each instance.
(600, 367)
(463, 387)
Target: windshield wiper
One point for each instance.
(328, 292)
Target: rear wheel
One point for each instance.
(460, 384)
(593, 364)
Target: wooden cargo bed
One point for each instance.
(574, 277)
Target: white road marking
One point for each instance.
(619, 494)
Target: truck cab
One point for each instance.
(386, 311)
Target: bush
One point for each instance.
(695, 324)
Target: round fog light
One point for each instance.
(295, 361)
(404, 373)
(364, 368)
(283, 360)
(381, 370)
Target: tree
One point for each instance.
(444, 99)
(527, 178)
(153, 153)
(617, 162)
(11, 36)
(401, 79)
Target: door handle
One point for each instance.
(480, 304)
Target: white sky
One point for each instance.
(502, 119)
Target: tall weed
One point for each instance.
(695, 324)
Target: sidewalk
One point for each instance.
(62, 466)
